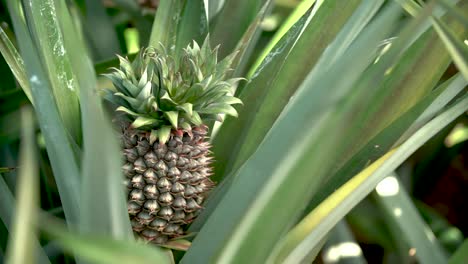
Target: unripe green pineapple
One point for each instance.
(166, 103)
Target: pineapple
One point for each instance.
(166, 103)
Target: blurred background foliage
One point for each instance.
(434, 179)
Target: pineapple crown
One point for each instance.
(159, 93)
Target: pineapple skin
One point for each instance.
(166, 183)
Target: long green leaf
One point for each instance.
(14, 60)
(42, 20)
(59, 146)
(236, 230)
(399, 209)
(318, 223)
(22, 247)
(165, 23)
(102, 205)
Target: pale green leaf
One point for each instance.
(143, 121)
(172, 116)
(126, 110)
(220, 108)
(164, 134)
(196, 119)
(229, 100)
(153, 136)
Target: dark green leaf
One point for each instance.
(232, 22)
(100, 31)
(14, 60)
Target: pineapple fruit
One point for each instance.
(166, 103)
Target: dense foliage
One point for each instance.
(349, 144)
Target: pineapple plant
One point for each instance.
(166, 103)
(337, 100)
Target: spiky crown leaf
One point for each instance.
(159, 92)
